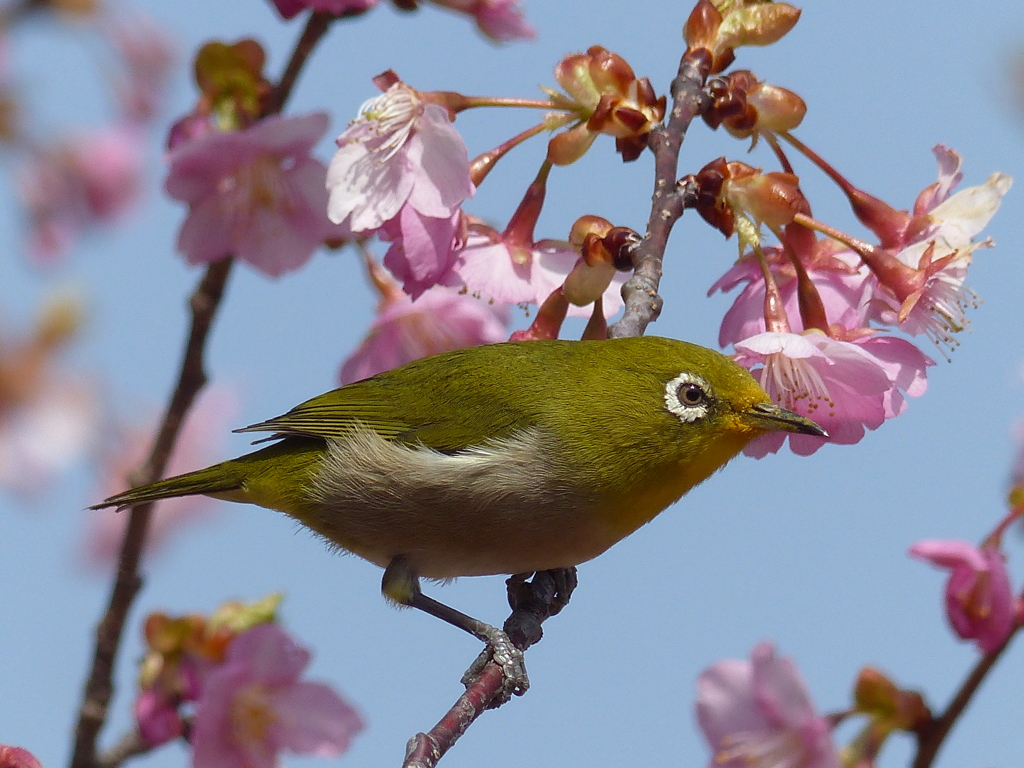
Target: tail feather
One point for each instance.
(220, 478)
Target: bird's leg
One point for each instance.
(401, 584)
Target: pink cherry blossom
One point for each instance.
(845, 386)
(197, 447)
(91, 179)
(254, 706)
(157, 718)
(438, 321)
(399, 150)
(423, 249)
(16, 757)
(255, 194)
(759, 714)
(291, 8)
(500, 20)
(496, 271)
(841, 282)
(979, 598)
(920, 286)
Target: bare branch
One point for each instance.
(932, 736)
(204, 303)
(643, 304)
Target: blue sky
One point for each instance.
(809, 552)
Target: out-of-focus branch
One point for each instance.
(205, 301)
(931, 737)
(100, 687)
(532, 603)
(643, 304)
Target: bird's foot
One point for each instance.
(509, 659)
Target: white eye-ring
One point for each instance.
(688, 396)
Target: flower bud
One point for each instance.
(611, 99)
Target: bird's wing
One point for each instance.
(413, 420)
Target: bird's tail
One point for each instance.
(220, 478)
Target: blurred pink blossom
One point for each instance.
(91, 179)
(500, 20)
(845, 386)
(495, 271)
(979, 598)
(405, 330)
(148, 54)
(399, 151)
(759, 714)
(157, 718)
(198, 445)
(16, 757)
(291, 8)
(47, 433)
(255, 194)
(254, 706)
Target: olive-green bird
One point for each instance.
(497, 459)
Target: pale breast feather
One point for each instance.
(501, 507)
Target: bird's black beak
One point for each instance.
(772, 418)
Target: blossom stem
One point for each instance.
(204, 303)
(851, 242)
(482, 164)
(932, 735)
(775, 319)
(689, 99)
(818, 160)
(469, 102)
(995, 539)
(773, 142)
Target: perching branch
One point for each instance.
(205, 301)
(532, 603)
(643, 304)
(931, 737)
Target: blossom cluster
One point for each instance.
(238, 673)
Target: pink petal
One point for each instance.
(438, 149)
(779, 689)
(949, 553)
(313, 719)
(269, 655)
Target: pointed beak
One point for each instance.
(772, 418)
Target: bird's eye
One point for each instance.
(688, 397)
(691, 394)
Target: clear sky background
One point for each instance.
(809, 552)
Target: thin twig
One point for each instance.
(532, 603)
(931, 737)
(100, 688)
(316, 27)
(643, 304)
(204, 303)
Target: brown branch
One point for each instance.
(532, 603)
(132, 745)
(931, 737)
(316, 27)
(100, 688)
(204, 303)
(643, 304)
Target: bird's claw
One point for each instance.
(509, 659)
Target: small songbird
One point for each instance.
(497, 459)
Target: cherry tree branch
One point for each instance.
(931, 737)
(532, 603)
(643, 304)
(205, 301)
